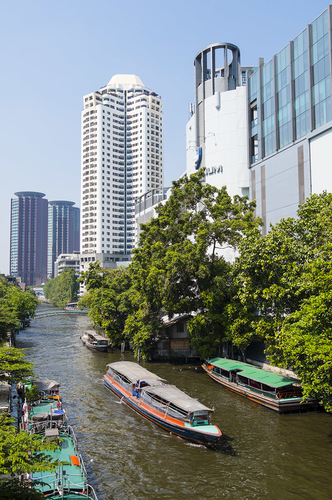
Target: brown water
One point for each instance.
(264, 455)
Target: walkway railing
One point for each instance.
(60, 312)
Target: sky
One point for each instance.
(53, 53)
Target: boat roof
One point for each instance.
(157, 386)
(133, 372)
(95, 335)
(47, 385)
(177, 397)
(258, 374)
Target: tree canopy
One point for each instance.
(180, 264)
(284, 284)
(62, 289)
(13, 366)
(109, 299)
(15, 306)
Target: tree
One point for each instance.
(15, 306)
(21, 452)
(285, 286)
(180, 265)
(62, 289)
(109, 298)
(13, 367)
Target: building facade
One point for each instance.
(28, 237)
(122, 158)
(217, 132)
(290, 127)
(63, 231)
(67, 261)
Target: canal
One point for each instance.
(264, 455)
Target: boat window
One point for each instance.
(255, 384)
(243, 380)
(268, 388)
(120, 376)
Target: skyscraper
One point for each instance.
(63, 231)
(122, 158)
(28, 237)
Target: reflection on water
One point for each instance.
(263, 455)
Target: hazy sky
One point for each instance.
(55, 52)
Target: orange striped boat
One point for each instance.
(161, 403)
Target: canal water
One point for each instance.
(263, 456)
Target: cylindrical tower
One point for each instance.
(217, 69)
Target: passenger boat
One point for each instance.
(48, 419)
(94, 341)
(158, 401)
(277, 392)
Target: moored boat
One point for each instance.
(161, 403)
(48, 419)
(95, 341)
(277, 392)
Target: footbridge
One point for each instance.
(47, 312)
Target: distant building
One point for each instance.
(145, 208)
(63, 231)
(67, 261)
(122, 158)
(28, 237)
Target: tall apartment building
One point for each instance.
(122, 158)
(63, 231)
(28, 237)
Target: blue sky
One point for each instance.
(55, 52)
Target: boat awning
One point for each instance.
(257, 374)
(176, 397)
(95, 335)
(47, 385)
(134, 371)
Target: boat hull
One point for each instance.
(278, 405)
(96, 348)
(169, 424)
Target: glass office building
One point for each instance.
(63, 231)
(289, 104)
(28, 238)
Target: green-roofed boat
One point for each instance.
(277, 392)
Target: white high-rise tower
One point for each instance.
(122, 158)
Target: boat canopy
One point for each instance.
(177, 398)
(133, 372)
(157, 386)
(95, 335)
(257, 374)
(47, 385)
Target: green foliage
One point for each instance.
(109, 299)
(22, 489)
(62, 289)
(15, 306)
(179, 265)
(21, 452)
(13, 367)
(32, 394)
(286, 275)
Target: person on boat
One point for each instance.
(137, 388)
